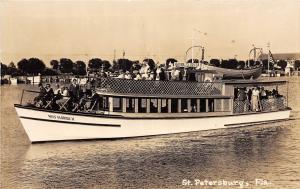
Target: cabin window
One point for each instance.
(142, 105)
(174, 105)
(184, 107)
(202, 105)
(153, 105)
(193, 107)
(164, 105)
(117, 104)
(130, 105)
(211, 105)
(104, 105)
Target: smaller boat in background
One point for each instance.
(253, 73)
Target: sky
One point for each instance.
(157, 29)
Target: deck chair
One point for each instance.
(63, 103)
(76, 107)
(92, 106)
(49, 103)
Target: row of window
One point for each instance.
(163, 105)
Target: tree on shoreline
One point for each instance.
(124, 64)
(79, 68)
(3, 70)
(215, 62)
(66, 65)
(31, 66)
(36, 66)
(95, 64)
(54, 64)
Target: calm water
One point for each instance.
(270, 152)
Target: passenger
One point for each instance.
(74, 90)
(275, 93)
(263, 93)
(255, 100)
(158, 72)
(161, 75)
(103, 74)
(57, 89)
(57, 92)
(82, 93)
(128, 75)
(249, 94)
(122, 75)
(151, 76)
(39, 100)
(42, 90)
(242, 100)
(138, 77)
(95, 98)
(145, 69)
(65, 92)
(173, 75)
(49, 92)
(57, 96)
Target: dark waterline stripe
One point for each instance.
(68, 122)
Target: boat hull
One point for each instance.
(57, 126)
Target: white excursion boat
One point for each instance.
(134, 108)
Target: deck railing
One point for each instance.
(159, 88)
(265, 105)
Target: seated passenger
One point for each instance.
(161, 75)
(39, 100)
(94, 100)
(138, 77)
(128, 75)
(103, 74)
(57, 92)
(122, 75)
(151, 76)
(49, 92)
(74, 90)
(65, 92)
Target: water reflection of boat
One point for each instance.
(235, 73)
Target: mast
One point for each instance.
(202, 56)
(268, 45)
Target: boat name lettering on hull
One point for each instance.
(60, 117)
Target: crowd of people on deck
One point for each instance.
(249, 99)
(145, 72)
(161, 73)
(72, 97)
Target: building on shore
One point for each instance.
(291, 58)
